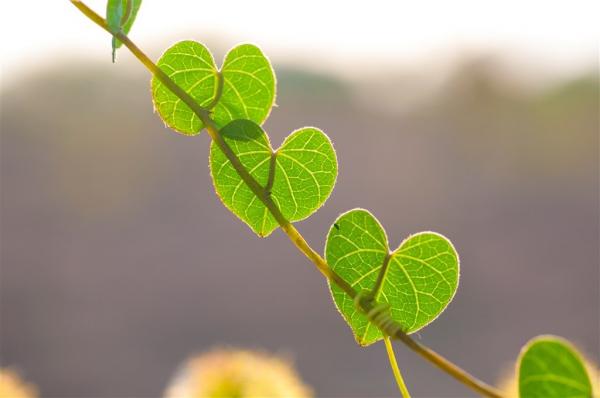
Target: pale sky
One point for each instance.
(343, 36)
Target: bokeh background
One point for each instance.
(476, 120)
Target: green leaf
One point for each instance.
(192, 67)
(120, 15)
(549, 367)
(419, 278)
(299, 178)
(248, 86)
(132, 8)
(114, 14)
(243, 89)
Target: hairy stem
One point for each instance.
(288, 228)
(395, 368)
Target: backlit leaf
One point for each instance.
(304, 173)
(549, 367)
(421, 275)
(192, 67)
(243, 89)
(248, 86)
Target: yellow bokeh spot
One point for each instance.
(12, 386)
(237, 374)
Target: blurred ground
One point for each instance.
(118, 261)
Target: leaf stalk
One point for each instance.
(395, 368)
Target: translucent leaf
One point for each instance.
(549, 367)
(248, 86)
(419, 280)
(300, 178)
(243, 89)
(192, 67)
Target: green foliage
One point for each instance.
(299, 176)
(418, 280)
(248, 86)
(115, 9)
(192, 67)
(549, 367)
(131, 10)
(411, 285)
(243, 89)
(120, 15)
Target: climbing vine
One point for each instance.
(383, 294)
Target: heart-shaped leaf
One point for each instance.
(549, 367)
(192, 67)
(300, 175)
(248, 86)
(418, 280)
(243, 89)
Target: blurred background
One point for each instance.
(478, 120)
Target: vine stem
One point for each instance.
(287, 227)
(395, 368)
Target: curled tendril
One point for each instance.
(379, 313)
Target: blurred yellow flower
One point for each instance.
(237, 374)
(11, 386)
